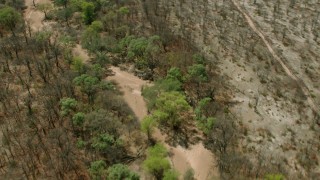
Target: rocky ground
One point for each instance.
(271, 61)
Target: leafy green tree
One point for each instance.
(88, 12)
(197, 73)
(203, 122)
(124, 10)
(137, 47)
(156, 162)
(65, 14)
(78, 119)
(104, 142)
(76, 4)
(88, 85)
(206, 124)
(199, 110)
(172, 109)
(175, 74)
(97, 71)
(153, 51)
(78, 65)
(9, 18)
(42, 38)
(101, 58)
(199, 59)
(81, 144)
(145, 51)
(98, 169)
(91, 40)
(121, 172)
(147, 126)
(97, 26)
(171, 175)
(196, 76)
(67, 106)
(163, 85)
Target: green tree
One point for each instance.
(101, 58)
(121, 172)
(156, 162)
(153, 51)
(197, 73)
(203, 122)
(163, 85)
(172, 109)
(171, 175)
(88, 85)
(78, 119)
(147, 126)
(137, 47)
(91, 40)
(175, 74)
(199, 59)
(97, 26)
(9, 18)
(124, 11)
(81, 144)
(97, 71)
(65, 14)
(104, 141)
(145, 51)
(78, 65)
(97, 169)
(67, 106)
(88, 12)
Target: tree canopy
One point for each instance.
(121, 172)
(156, 162)
(9, 18)
(171, 108)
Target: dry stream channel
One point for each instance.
(196, 156)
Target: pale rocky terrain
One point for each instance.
(271, 61)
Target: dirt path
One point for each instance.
(33, 17)
(196, 157)
(302, 85)
(131, 88)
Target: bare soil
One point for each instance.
(33, 17)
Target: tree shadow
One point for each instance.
(184, 135)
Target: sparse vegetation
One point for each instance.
(236, 84)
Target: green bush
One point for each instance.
(164, 85)
(171, 175)
(121, 172)
(97, 169)
(156, 162)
